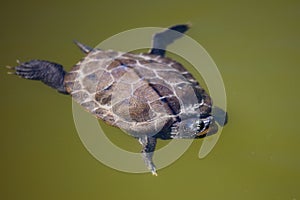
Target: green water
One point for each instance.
(255, 45)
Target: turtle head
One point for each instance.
(193, 127)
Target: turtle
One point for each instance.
(147, 95)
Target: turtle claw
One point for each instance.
(11, 73)
(13, 69)
(174, 132)
(173, 135)
(10, 67)
(22, 70)
(154, 173)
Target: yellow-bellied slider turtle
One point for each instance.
(147, 95)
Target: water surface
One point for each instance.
(256, 48)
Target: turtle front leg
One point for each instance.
(148, 144)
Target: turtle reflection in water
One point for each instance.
(147, 95)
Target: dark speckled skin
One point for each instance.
(50, 73)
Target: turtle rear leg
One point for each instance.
(163, 39)
(149, 144)
(51, 74)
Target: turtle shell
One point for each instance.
(139, 93)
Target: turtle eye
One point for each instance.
(200, 126)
